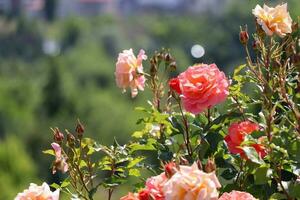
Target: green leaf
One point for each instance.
(261, 175)
(295, 191)
(252, 155)
(138, 134)
(135, 161)
(134, 172)
(229, 173)
(277, 196)
(49, 152)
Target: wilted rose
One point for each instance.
(274, 20)
(129, 71)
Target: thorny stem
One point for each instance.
(187, 135)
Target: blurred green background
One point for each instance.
(57, 60)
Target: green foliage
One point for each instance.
(17, 169)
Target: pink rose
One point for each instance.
(190, 183)
(202, 86)
(35, 192)
(274, 20)
(60, 160)
(155, 186)
(236, 195)
(128, 71)
(130, 196)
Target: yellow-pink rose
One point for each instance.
(35, 192)
(274, 20)
(129, 71)
(233, 195)
(190, 183)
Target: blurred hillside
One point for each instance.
(57, 66)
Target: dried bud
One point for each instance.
(168, 58)
(256, 45)
(79, 129)
(183, 161)
(295, 27)
(199, 164)
(170, 169)
(210, 165)
(296, 59)
(173, 66)
(244, 37)
(70, 139)
(58, 136)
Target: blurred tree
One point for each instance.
(17, 169)
(50, 9)
(53, 98)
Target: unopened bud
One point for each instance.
(199, 164)
(79, 129)
(183, 161)
(70, 139)
(168, 58)
(256, 45)
(173, 66)
(58, 136)
(295, 27)
(170, 169)
(244, 37)
(210, 165)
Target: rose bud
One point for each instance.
(210, 165)
(199, 164)
(170, 169)
(174, 84)
(244, 37)
(255, 45)
(58, 136)
(79, 129)
(70, 139)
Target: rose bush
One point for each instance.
(202, 136)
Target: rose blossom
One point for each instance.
(190, 183)
(130, 196)
(175, 85)
(202, 86)
(234, 195)
(127, 71)
(236, 136)
(35, 192)
(60, 160)
(274, 20)
(155, 186)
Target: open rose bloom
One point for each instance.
(274, 20)
(236, 136)
(202, 86)
(128, 71)
(35, 192)
(190, 183)
(236, 195)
